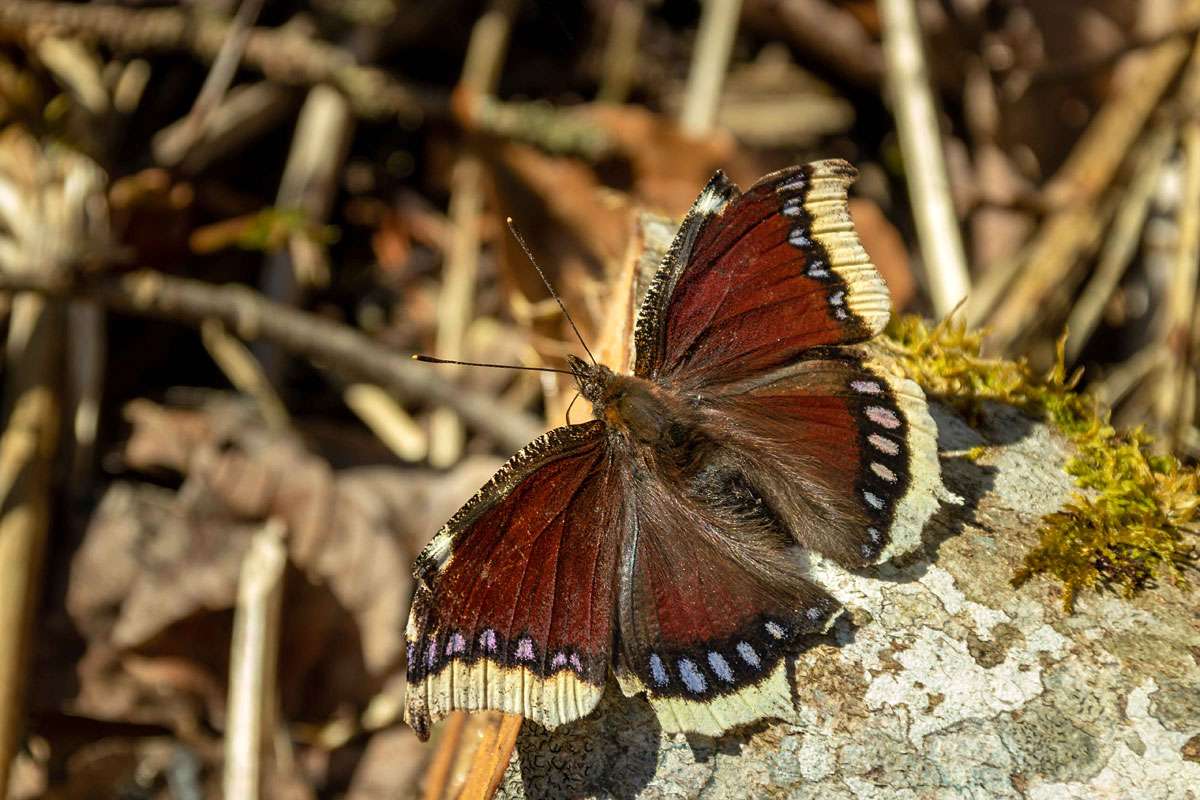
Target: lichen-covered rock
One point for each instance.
(941, 680)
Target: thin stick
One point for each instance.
(251, 316)
(30, 427)
(437, 774)
(621, 51)
(87, 355)
(1173, 402)
(528, 254)
(1121, 243)
(252, 660)
(823, 31)
(1088, 171)
(456, 302)
(246, 113)
(917, 124)
(220, 74)
(388, 420)
(244, 372)
(710, 62)
(1121, 380)
(285, 56)
(225, 65)
(491, 758)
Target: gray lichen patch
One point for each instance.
(1044, 742)
(1176, 705)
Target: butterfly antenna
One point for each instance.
(542, 275)
(434, 360)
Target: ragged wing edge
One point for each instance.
(827, 203)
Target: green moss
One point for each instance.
(1139, 519)
(270, 228)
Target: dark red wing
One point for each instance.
(755, 280)
(712, 602)
(843, 451)
(514, 603)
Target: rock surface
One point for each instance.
(941, 680)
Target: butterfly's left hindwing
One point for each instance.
(514, 602)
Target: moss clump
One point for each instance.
(1139, 519)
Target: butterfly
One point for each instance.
(667, 541)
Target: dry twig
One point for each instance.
(621, 51)
(284, 56)
(924, 163)
(253, 655)
(251, 316)
(224, 66)
(1175, 401)
(710, 62)
(246, 113)
(1121, 242)
(1077, 187)
(456, 304)
(244, 372)
(822, 31)
(31, 421)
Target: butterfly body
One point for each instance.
(667, 541)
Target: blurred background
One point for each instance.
(224, 225)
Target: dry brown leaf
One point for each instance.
(154, 580)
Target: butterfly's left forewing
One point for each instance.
(514, 602)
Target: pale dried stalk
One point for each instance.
(31, 422)
(942, 252)
(244, 371)
(78, 69)
(244, 114)
(710, 62)
(621, 51)
(436, 779)
(283, 55)
(319, 146)
(225, 65)
(456, 307)
(1173, 403)
(456, 302)
(250, 316)
(252, 662)
(1121, 380)
(492, 755)
(393, 426)
(1121, 242)
(1088, 171)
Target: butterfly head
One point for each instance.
(594, 380)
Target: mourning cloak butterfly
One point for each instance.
(663, 539)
